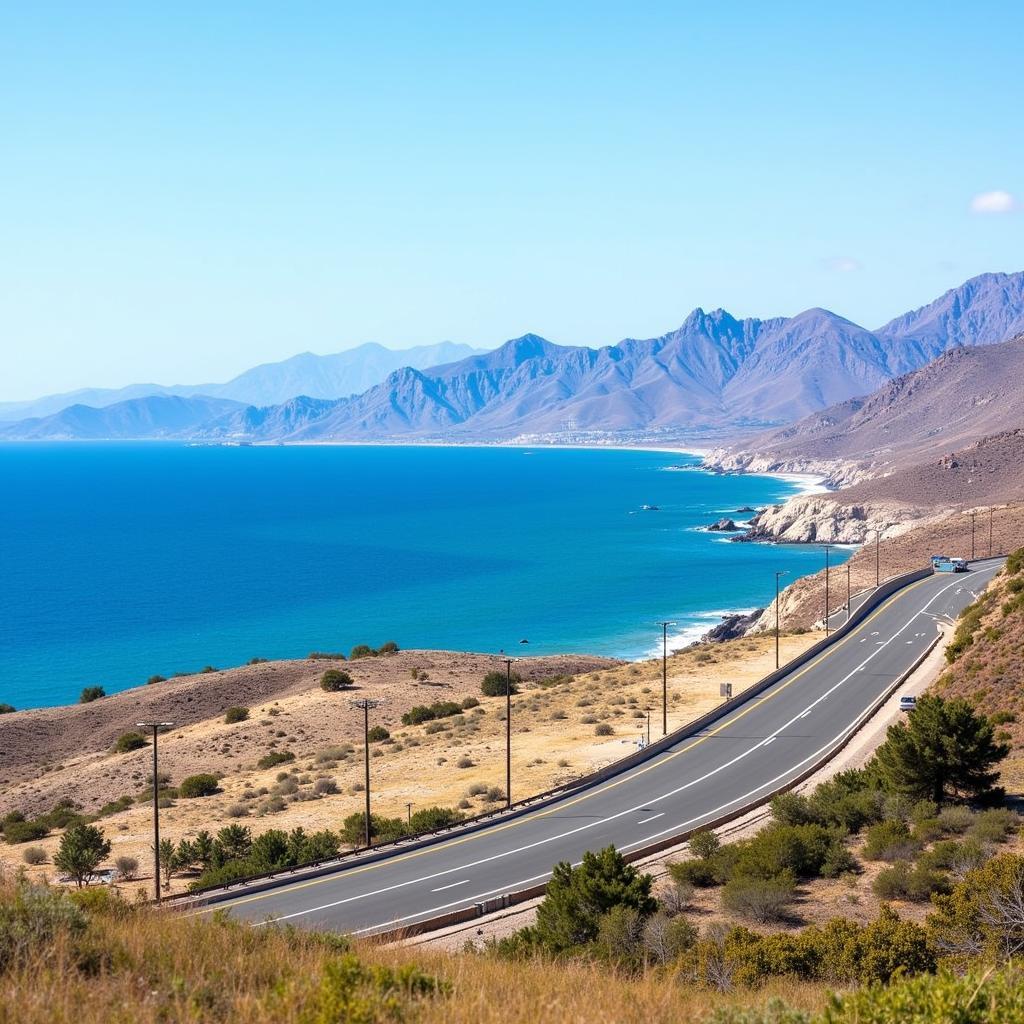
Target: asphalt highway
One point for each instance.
(756, 749)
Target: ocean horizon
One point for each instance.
(125, 560)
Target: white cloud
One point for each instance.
(996, 201)
(843, 264)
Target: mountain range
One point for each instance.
(331, 376)
(714, 371)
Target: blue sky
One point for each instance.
(189, 189)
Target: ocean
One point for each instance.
(120, 561)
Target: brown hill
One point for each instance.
(959, 398)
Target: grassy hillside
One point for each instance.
(987, 662)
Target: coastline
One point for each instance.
(620, 642)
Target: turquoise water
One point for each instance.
(124, 560)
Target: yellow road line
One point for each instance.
(596, 791)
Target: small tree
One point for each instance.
(127, 868)
(943, 750)
(91, 693)
(378, 734)
(335, 679)
(570, 914)
(81, 850)
(167, 858)
(494, 684)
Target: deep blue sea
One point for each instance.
(124, 560)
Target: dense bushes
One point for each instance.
(6, 709)
(91, 693)
(429, 712)
(233, 853)
(235, 714)
(387, 830)
(274, 758)
(16, 829)
(378, 734)
(495, 683)
(193, 786)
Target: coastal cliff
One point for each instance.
(821, 519)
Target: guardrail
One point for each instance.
(374, 854)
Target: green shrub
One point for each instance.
(700, 874)
(24, 831)
(126, 867)
(81, 851)
(34, 856)
(378, 734)
(956, 819)
(903, 882)
(428, 712)
(889, 840)
(993, 825)
(335, 679)
(326, 656)
(792, 809)
(763, 900)
(495, 683)
(32, 919)
(235, 714)
(361, 651)
(603, 729)
(470, 702)
(91, 693)
(704, 844)
(154, 679)
(390, 647)
(431, 819)
(275, 757)
(6, 709)
(129, 741)
(198, 785)
(382, 830)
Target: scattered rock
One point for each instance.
(724, 525)
(731, 627)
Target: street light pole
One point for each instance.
(826, 589)
(849, 594)
(878, 540)
(508, 732)
(990, 533)
(364, 705)
(974, 516)
(648, 726)
(778, 573)
(155, 727)
(664, 675)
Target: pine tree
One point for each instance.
(81, 850)
(943, 750)
(577, 898)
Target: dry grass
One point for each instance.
(554, 741)
(140, 965)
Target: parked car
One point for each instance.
(907, 702)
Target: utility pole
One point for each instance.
(826, 589)
(648, 726)
(155, 727)
(778, 573)
(408, 814)
(974, 516)
(849, 594)
(664, 675)
(508, 732)
(990, 533)
(365, 704)
(878, 541)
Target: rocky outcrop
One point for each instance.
(819, 519)
(831, 473)
(724, 525)
(732, 627)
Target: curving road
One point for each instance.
(759, 747)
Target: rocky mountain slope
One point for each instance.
(714, 371)
(959, 398)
